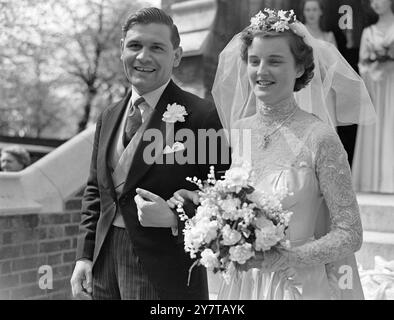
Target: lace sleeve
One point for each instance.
(333, 172)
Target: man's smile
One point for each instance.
(144, 69)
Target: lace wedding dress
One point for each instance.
(306, 157)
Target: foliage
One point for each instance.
(59, 61)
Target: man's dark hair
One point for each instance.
(152, 15)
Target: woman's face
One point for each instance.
(381, 6)
(271, 67)
(312, 12)
(9, 163)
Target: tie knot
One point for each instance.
(139, 101)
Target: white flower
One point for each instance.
(281, 26)
(209, 259)
(270, 12)
(241, 253)
(269, 202)
(267, 234)
(208, 228)
(273, 20)
(194, 238)
(286, 218)
(282, 15)
(174, 113)
(199, 232)
(230, 207)
(205, 211)
(230, 236)
(237, 177)
(247, 215)
(258, 19)
(232, 216)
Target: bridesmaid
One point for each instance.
(312, 17)
(373, 166)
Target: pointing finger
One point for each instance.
(147, 194)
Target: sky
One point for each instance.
(155, 3)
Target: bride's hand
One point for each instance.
(180, 196)
(269, 261)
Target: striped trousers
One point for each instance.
(117, 273)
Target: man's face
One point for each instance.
(148, 56)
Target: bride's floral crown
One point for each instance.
(272, 20)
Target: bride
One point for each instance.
(295, 147)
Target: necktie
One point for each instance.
(133, 121)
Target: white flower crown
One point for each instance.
(272, 20)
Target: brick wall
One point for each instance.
(33, 240)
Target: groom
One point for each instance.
(131, 244)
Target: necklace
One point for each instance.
(267, 137)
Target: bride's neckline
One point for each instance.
(276, 112)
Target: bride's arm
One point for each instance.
(333, 172)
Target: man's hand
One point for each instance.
(81, 280)
(153, 211)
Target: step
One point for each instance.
(377, 212)
(375, 244)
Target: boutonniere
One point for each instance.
(174, 113)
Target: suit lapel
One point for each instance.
(108, 132)
(139, 166)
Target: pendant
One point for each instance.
(266, 141)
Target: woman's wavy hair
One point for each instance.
(303, 53)
(322, 21)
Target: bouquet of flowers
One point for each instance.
(233, 222)
(383, 54)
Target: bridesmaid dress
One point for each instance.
(373, 165)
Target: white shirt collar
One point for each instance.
(152, 98)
